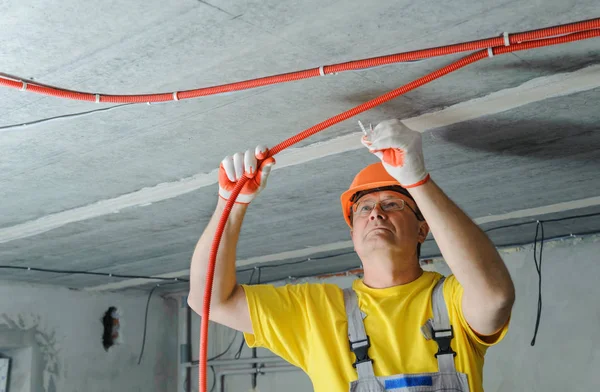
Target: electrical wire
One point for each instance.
(297, 261)
(545, 220)
(433, 256)
(108, 274)
(224, 351)
(538, 267)
(146, 320)
(236, 332)
(196, 362)
(146, 324)
(425, 257)
(313, 258)
(6, 128)
(251, 275)
(255, 365)
(527, 37)
(534, 221)
(212, 368)
(572, 217)
(238, 354)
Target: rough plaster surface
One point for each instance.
(566, 355)
(63, 330)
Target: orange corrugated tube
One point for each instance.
(334, 120)
(309, 73)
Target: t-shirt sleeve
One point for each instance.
(280, 321)
(454, 291)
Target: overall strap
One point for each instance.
(440, 330)
(359, 341)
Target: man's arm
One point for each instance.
(228, 305)
(228, 302)
(489, 292)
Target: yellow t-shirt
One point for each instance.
(306, 325)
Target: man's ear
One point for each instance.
(423, 231)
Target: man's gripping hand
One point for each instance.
(400, 150)
(254, 164)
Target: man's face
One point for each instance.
(392, 231)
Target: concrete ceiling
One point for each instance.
(129, 190)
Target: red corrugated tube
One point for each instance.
(309, 73)
(341, 117)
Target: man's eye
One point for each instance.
(391, 204)
(365, 208)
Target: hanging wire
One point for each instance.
(146, 324)
(212, 368)
(236, 332)
(538, 266)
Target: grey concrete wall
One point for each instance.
(566, 356)
(62, 330)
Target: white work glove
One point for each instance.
(254, 164)
(400, 150)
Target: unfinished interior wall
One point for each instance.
(566, 356)
(54, 339)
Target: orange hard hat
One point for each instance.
(372, 176)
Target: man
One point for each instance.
(397, 329)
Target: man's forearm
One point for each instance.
(225, 277)
(470, 254)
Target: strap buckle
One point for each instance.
(443, 337)
(360, 348)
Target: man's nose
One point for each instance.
(377, 213)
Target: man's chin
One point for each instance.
(380, 231)
(381, 243)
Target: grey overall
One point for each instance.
(438, 329)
